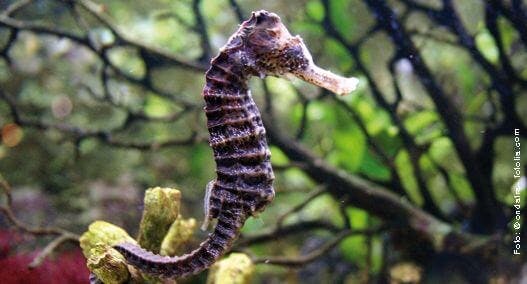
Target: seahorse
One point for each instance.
(262, 46)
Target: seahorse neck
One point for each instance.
(229, 72)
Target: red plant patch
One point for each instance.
(66, 267)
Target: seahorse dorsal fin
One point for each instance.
(206, 205)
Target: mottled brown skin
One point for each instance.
(244, 184)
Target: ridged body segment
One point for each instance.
(237, 137)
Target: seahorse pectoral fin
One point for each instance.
(206, 205)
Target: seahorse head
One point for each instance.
(275, 52)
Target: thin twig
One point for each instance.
(310, 257)
(15, 7)
(300, 206)
(62, 234)
(50, 248)
(286, 230)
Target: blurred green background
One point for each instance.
(104, 115)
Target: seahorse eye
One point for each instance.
(260, 18)
(272, 32)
